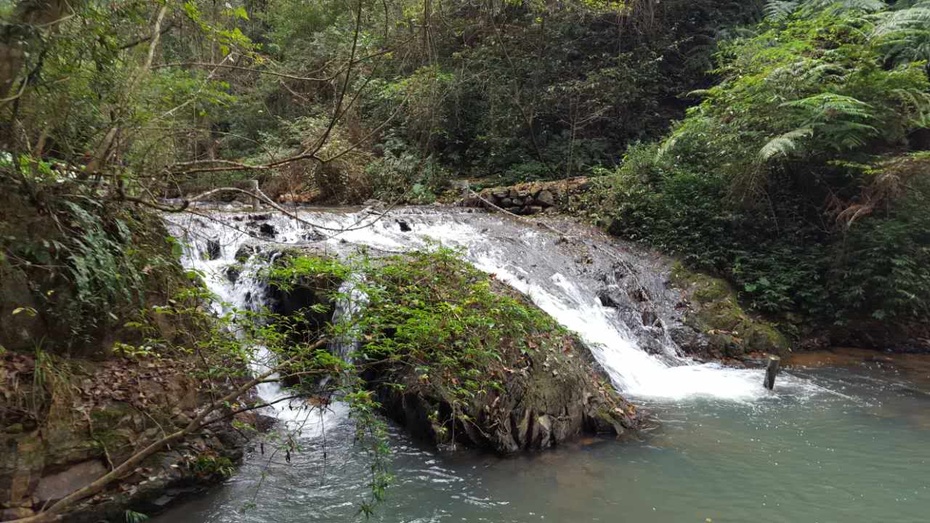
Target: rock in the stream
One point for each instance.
(267, 230)
(245, 251)
(214, 250)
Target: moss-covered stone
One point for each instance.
(480, 362)
(715, 311)
(459, 358)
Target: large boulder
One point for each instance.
(460, 358)
(726, 329)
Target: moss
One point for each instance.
(453, 354)
(716, 312)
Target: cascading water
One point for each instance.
(565, 274)
(229, 266)
(797, 455)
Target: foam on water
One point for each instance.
(517, 256)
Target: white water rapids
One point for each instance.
(559, 276)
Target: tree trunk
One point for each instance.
(19, 36)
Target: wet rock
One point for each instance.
(553, 400)
(404, 226)
(245, 251)
(651, 345)
(638, 294)
(232, 273)
(267, 230)
(213, 250)
(606, 300)
(649, 317)
(715, 312)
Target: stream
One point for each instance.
(849, 441)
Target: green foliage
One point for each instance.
(134, 517)
(91, 265)
(793, 178)
(806, 90)
(434, 314)
(405, 177)
(297, 269)
(207, 465)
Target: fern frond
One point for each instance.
(832, 106)
(779, 10)
(784, 144)
(904, 35)
(841, 6)
(916, 103)
(905, 20)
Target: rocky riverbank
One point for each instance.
(106, 346)
(68, 423)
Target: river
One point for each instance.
(847, 441)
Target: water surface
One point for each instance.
(840, 440)
(857, 452)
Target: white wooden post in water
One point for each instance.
(253, 186)
(771, 371)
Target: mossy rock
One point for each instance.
(716, 312)
(477, 363)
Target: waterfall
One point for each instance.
(565, 273)
(228, 261)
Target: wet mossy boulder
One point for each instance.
(715, 312)
(301, 287)
(461, 359)
(453, 355)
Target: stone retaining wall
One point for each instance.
(530, 198)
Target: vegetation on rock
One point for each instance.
(460, 358)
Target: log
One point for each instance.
(771, 371)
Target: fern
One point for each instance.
(134, 517)
(904, 35)
(99, 267)
(841, 6)
(916, 104)
(779, 10)
(839, 121)
(784, 144)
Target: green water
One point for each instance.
(853, 447)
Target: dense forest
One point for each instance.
(780, 146)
